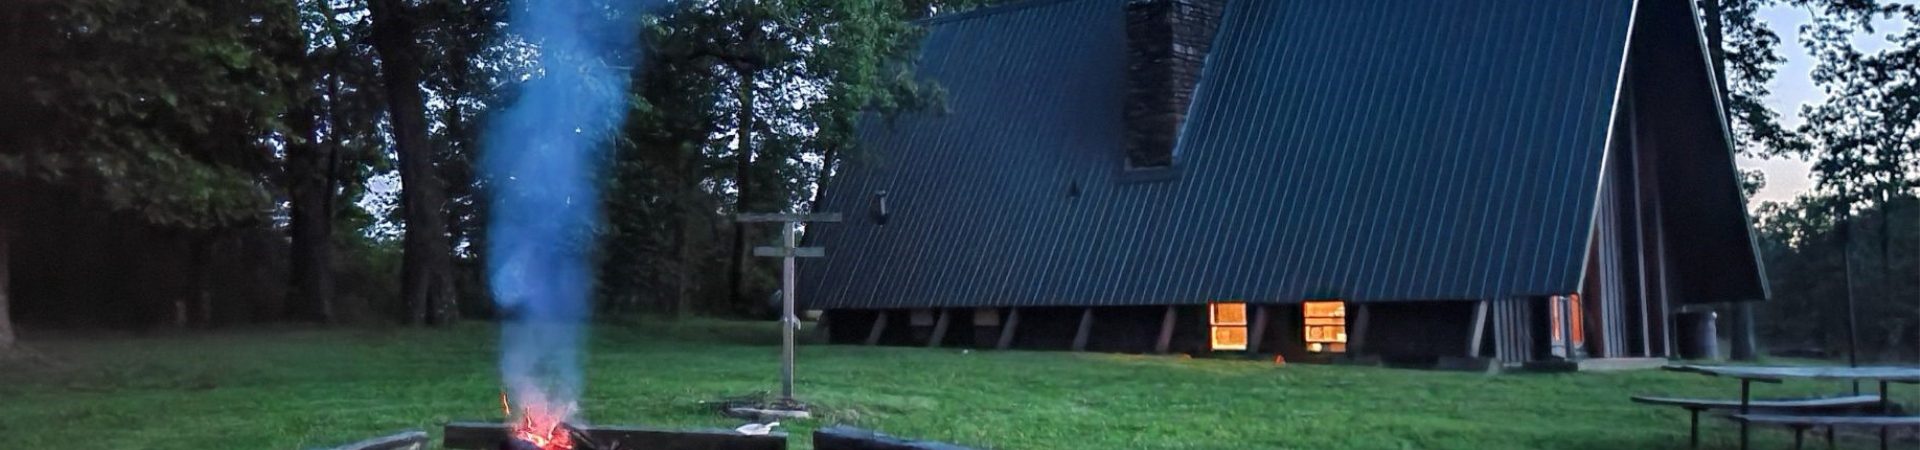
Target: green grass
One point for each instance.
(308, 388)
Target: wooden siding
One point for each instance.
(1513, 324)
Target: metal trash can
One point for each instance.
(1699, 339)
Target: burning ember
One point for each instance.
(543, 428)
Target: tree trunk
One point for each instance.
(311, 218)
(742, 175)
(332, 175)
(681, 229)
(6, 286)
(1716, 47)
(1888, 287)
(201, 311)
(1744, 346)
(426, 265)
(820, 181)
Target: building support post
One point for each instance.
(1167, 320)
(939, 328)
(879, 327)
(1007, 329)
(1357, 340)
(1086, 330)
(1479, 328)
(1259, 331)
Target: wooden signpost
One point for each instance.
(788, 250)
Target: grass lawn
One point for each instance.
(283, 389)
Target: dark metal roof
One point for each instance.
(1360, 149)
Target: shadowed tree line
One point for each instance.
(1803, 245)
(181, 163)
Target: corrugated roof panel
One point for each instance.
(1366, 149)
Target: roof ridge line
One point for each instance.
(988, 11)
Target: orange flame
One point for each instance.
(538, 426)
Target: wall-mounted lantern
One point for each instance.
(878, 208)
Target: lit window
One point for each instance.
(1569, 305)
(1229, 321)
(1326, 325)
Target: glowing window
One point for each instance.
(1326, 325)
(1229, 325)
(1568, 305)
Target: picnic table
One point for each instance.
(1775, 374)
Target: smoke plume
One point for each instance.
(542, 163)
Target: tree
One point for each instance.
(777, 86)
(1866, 133)
(795, 75)
(1803, 243)
(1746, 57)
(164, 112)
(657, 201)
(426, 268)
(311, 175)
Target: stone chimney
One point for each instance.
(1167, 44)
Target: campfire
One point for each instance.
(543, 428)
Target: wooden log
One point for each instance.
(1085, 331)
(796, 252)
(408, 440)
(1167, 320)
(939, 328)
(488, 436)
(1479, 328)
(1259, 331)
(1007, 329)
(841, 437)
(787, 217)
(879, 326)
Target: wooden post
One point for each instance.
(1086, 330)
(787, 251)
(788, 320)
(1007, 329)
(1479, 328)
(1357, 339)
(1565, 305)
(1166, 330)
(1259, 331)
(939, 328)
(879, 326)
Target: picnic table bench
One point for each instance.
(1799, 424)
(1783, 406)
(1799, 421)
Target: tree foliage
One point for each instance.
(1866, 134)
(1803, 244)
(164, 109)
(746, 106)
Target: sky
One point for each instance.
(1792, 87)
